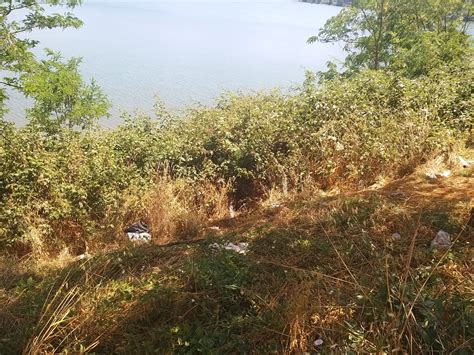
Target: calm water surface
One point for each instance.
(189, 51)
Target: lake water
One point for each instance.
(189, 51)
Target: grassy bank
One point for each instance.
(320, 266)
(320, 178)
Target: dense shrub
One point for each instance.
(374, 123)
(71, 184)
(346, 132)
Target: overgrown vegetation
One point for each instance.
(348, 133)
(315, 175)
(319, 267)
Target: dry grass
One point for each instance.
(321, 266)
(55, 319)
(179, 209)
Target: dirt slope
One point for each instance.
(319, 267)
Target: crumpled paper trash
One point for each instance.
(441, 241)
(465, 163)
(241, 248)
(318, 342)
(396, 237)
(434, 175)
(139, 237)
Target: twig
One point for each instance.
(310, 271)
(344, 263)
(181, 242)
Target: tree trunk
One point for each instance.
(378, 38)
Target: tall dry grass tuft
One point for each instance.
(179, 209)
(297, 322)
(58, 322)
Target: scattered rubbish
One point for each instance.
(240, 248)
(396, 237)
(214, 228)
(139, 237)
(318, 342)
(81, 257)
(441, 241)
(139, 227)
(432, 175)
(275, 205)
(464, 162)
(231, 211)
(138, 232)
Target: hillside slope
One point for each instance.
(320, 266)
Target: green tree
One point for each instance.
(61, 99)
(411, 36)
(60, 96)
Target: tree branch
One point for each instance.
(15, 86)
(366, 18)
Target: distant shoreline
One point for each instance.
(348, 3)
(329, 2)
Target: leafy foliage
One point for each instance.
(60, 186)
(409, 37)
(60, 96)
(347, 132)
(49, 184)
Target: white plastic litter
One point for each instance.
(138, 233)
(214, 228)
(433, 175)
(441, 241)
(231, 211)
(82, 257)
(396, 237)
(318, 342)
(139, 237)
(241, 248)
(464, 162)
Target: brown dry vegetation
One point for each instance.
(320, 265)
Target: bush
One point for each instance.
(352, 129)
(347, 132)
(62, 186)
